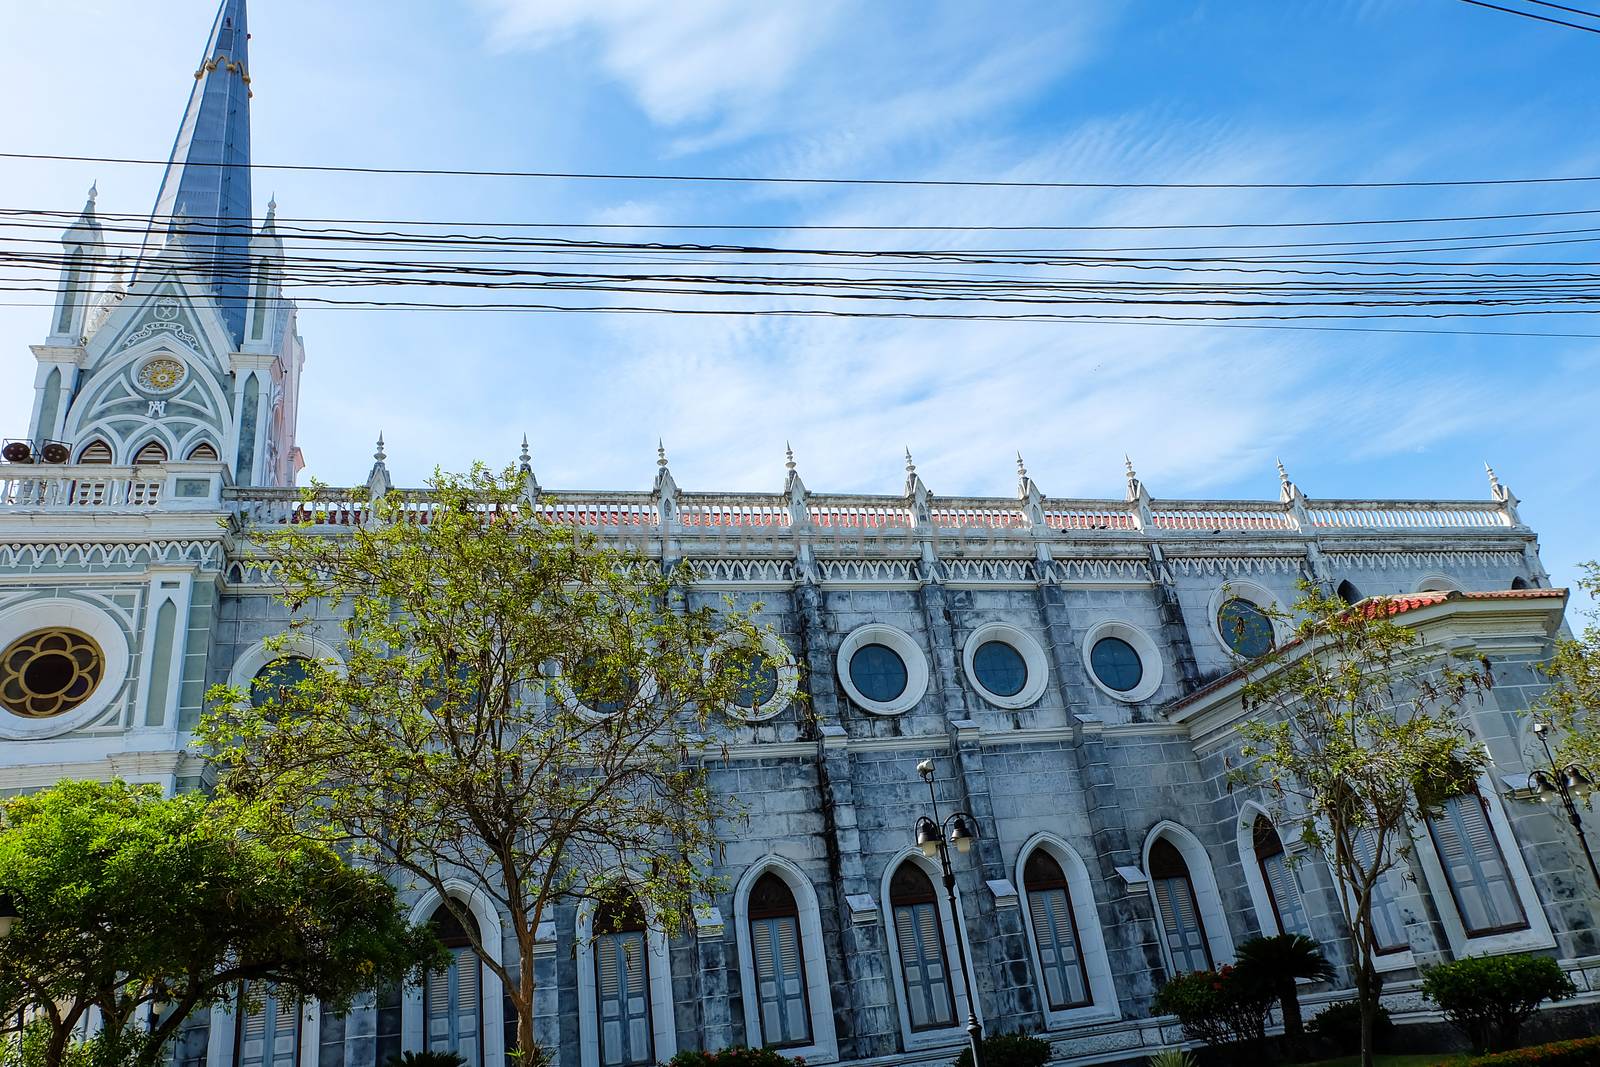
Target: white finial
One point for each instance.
(1494, 480)
(1022, 470)
(380, 455)
(1283, 475)
(788, 456)
(1127, 462)
(911, 467)
(524, 458)
(94, 191)
(661, 453)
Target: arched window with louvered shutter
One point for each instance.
(96, 451)
(266, 1030)
(622, 984)
(452, 999)
(1481, 885)
(1283, 893)
(779, 961)
(204, 451)
(1055, 932)
(1388, 923)
(150, 453)
(924, 963)
(1179, 909)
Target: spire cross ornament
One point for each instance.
(788, 453)
(661, 453)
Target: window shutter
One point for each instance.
(1186, 939)
(623, 995)
(1059, 955)
(928, 994)
(1285, 895)
(1480, 882)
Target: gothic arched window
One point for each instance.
(779, 963)
(1348, 592)
(1282, 893)
(274, 683)
(919, 931)
(1179, 909)
(151, 452)
(452, 999)
(204, 451)
(266, 1031)
(622, 983)
(96, 451)
(1055, 931)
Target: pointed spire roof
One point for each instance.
(207, 180)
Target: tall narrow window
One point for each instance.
(1287, 907)
(622, 984)
(1179, 909)
(390, 1005)
(1055, 932)
(1485, 895)
(779, 964)
(930, 1000)
(330, 1039)
(1388, 924)
(267, 1032)
(452, 999)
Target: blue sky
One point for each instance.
(1120, 90)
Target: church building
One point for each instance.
(1069, 666)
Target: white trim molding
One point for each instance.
(777, 655)
(904, 646)
(824, 1047)
(95, 623)
(663, 1009)
(945, 1036)
(1149, 659)
(413, 1025)
(1213, 917)
(1103, 1006)
(1034, 660)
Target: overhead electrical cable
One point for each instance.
(1535, 15)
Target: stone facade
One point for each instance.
(143, 550)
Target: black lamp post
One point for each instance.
(959, 829)
(1550, 782)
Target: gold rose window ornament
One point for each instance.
(161, 375)
(49, 672)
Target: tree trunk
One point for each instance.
(1369, 1011)
(1294, 1029)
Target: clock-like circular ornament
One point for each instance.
(161, 375)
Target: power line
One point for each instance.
(758, 179)
(1564, 7)
(1541, 18)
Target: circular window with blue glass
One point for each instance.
(882, 669)
(768, 679)
(1245, 628)
(1123, 661)
(1006, 666)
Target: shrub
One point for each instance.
(1489, 997)
(737, 1056)
(1009, 1050)
(1274, 963)
(1340, 1026)
(1581, 1052)
(1171, 1057)
(1217, 1007)
(427, 1058)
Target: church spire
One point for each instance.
(207, 180)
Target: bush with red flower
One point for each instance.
(1218, 1007)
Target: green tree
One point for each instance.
(1572, 700)
(518, 704)
(130, 900)
(1488, 998)
(1276, 963)
(1357, 732)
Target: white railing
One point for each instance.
(1070, 515)
(859, 516)
(1209, 515)
(727, 511)
(1406, 515)
(969, 514)
(80, 486)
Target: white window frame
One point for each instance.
(1141, 642)
(1034, 660)
(778, 655)
(86, 618)
(1260, 894)
(946, 1036)
(903, 645)
(824, 1047)
(663, 1014)
(1208, 899)
(1255, 593)
(1536, 936)
(413, 1025)
(1408, 902)
(1103, 1004)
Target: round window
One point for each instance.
(603, 688)
(161, 375)
(272, 683)
(1116, 664)
(1245, 628)
(49, 672)
(878, 672)
(758, 684)
(1000, 668)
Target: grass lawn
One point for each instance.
(1421, 1060)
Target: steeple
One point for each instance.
(206, 188)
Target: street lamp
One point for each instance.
(1549, 783)
(960, 829)
(8, 914)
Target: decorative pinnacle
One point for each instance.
(1127, 462)
(911, 467)
(661, 453)
(94, 191)
(788, 454)
(1022, 470)
(1494, 480)
(524, 456)
(380, 455)
(1283, 475)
